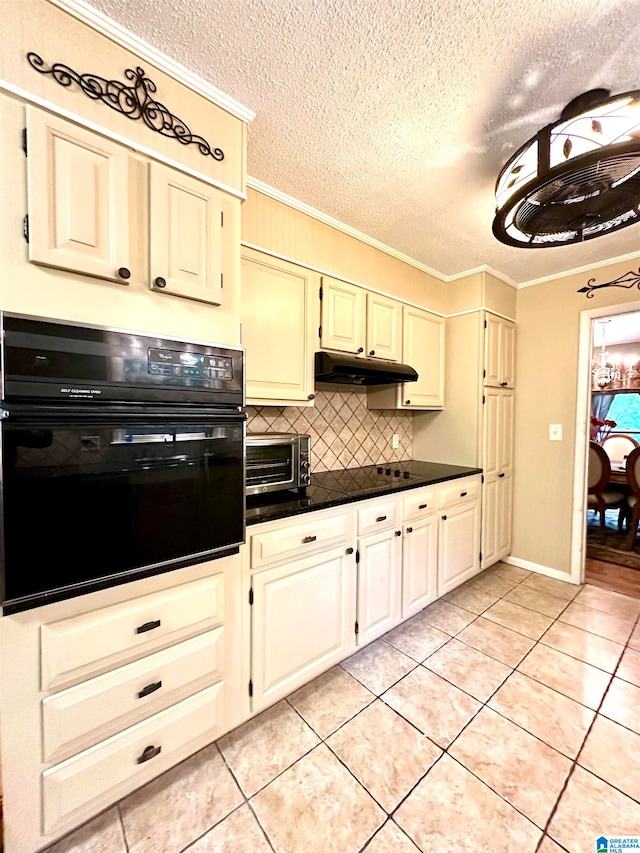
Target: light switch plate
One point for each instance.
(555, 432)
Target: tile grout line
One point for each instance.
(584, 740)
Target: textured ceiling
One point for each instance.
(395, 116)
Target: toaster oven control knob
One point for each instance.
(305, 464)
(379, 469)
(396, 473)
(160, 282)
(123, 272)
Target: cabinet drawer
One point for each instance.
(114, 766)
(92, 711)
(297, 539)
(378, 517)
(94, 642)
(419, 503)
(459, 491)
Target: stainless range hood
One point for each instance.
(349, 370)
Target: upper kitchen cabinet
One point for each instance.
(499, 352)
(422, 349)
(186, 227)
(343, 316)
(78, 199)
(359, 321)
(279, 323)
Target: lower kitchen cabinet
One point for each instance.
(379, 584)
(301, 623)
(458, 545)
(419, 564)
(497, 500)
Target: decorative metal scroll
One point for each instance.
(627, 281)
(134, 101)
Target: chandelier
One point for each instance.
(576, 179)
(604, 373)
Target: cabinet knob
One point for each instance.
(409, 529)
(407, 402)
(349, 551)
(372, 352)
(398, 532)
(123, 272)
(444, 517)
(360, 349)
(160, 282)
(311, 397)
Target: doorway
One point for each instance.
(609, 337)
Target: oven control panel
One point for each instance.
(165, 362)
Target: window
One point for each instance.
(625, 411)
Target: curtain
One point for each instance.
(600, 405)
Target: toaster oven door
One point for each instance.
(271, 466)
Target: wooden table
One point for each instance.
(619, 475)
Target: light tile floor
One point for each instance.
(505, 717)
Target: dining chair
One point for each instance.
(618, 447)
(598, 497)
(633, 500)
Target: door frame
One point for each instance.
(583, 417)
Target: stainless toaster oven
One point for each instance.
(276, 461)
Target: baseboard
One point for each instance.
(539, 568)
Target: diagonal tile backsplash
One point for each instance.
(344, 433)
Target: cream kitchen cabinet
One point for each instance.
(80, 204)
(379, 559)
(359, 321)
(499, 351)
(102, 693)
(302, 599)
(77, 199)
(419, 550)
(279, 321)
(458, 533)
(497, 455)
(186, 235)
(423, 342)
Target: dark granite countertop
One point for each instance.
(333, 488)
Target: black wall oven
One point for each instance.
(122, 456)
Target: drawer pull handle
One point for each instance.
(463, 494)
(501, 475)
(148, 626)
(148, 753)
(309, 539)
(150, 688)
(381, 518)
(423, 506)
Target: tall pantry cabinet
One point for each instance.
(477, 424)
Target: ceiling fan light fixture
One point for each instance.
(577, 178)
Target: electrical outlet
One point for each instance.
(395, 441)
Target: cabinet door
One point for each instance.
(302, 623)
(423, 349)
(499, 352)
(384, 327)
(458, 546)
(419, 565)
(496, 519)
(185, 235)
(78, 198)
(379, 587)
(343, 316)
(277, 329)
(497, 455)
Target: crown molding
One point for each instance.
(484, 268)
(619, 259)
(125, 38)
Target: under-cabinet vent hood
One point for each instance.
(349, 370)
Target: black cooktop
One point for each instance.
(332, 488)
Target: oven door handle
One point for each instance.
(161, 461)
